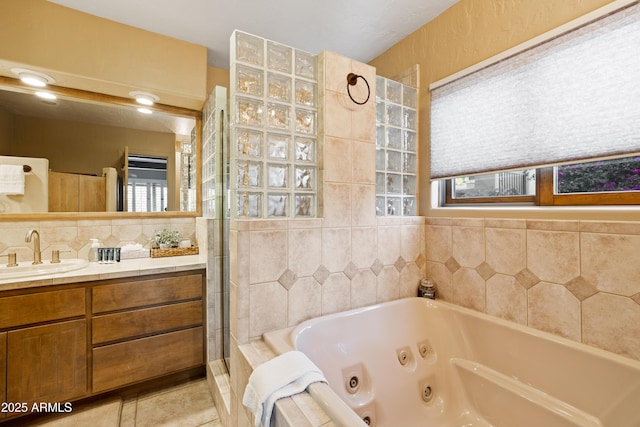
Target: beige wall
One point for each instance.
(86, 52)
(467, 33)
(85, 148)
(576, 279)
(573, 274)
(217, 77)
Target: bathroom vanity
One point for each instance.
(98, 333)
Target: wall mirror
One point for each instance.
(121, 161)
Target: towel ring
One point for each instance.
(352, 80)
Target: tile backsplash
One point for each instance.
(73, 235)
(576, 279)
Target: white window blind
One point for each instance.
(574, 97)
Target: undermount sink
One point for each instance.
(26, 269)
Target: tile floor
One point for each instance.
(185, 405)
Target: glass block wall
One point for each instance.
(188, 159)
(213, 126)
(274, 100)
(396, 148)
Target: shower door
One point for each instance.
(215, 207)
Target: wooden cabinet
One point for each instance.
(3, 369)
(66, 342)
(141, 293)
(142, 359)
(145, 329)
(47, 363)
(20, 310)
(44, 362)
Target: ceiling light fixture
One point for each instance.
(46, 95)
(144, 98)
(33, 78)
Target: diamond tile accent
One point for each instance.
(580, 288)
(76, 245)
(485, 271)
(400, 263)
(421, 261)
(452, 265)
(636, 298)
(287, 279)
(351, 270)
(526, 278)
(377, 266)
(113, 241)
(321, 274)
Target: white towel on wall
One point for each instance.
(283, 376)
(11, 180)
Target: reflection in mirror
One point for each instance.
(82, 147)
(146, 184)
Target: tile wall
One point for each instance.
(576, 279)
(286, 271)
(209, 233)
(73, 235)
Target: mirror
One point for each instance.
(89, 140)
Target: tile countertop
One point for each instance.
(95, 271)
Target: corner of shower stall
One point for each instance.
(215, 212)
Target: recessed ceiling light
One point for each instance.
(144, 98)
(145, 110)
(46, 95)
(33, 78)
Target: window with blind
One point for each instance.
(558, 122)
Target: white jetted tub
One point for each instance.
(417, 362)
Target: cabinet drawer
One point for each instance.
(41, 307)
(131, 324)
(119, 296)
(129, 362)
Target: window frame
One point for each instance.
(545, 195)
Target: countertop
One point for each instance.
(94, 271)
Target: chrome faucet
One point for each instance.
(37, 256)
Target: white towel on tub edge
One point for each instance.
(284, 375)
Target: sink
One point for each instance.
(26, 269)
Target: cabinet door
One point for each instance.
(47, 363)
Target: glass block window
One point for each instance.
(274, 129)
(213, 130)
(396, 148)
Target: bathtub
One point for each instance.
(417, 362)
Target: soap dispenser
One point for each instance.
(93, 251)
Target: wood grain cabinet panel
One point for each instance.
(132, 324)
(53, 350)
(133, 361)
(41, 307)
(47, 363)
(3, 369)
(120, 296)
